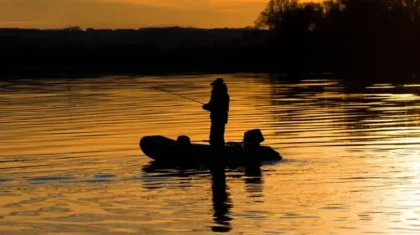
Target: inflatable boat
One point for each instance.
(182, 151)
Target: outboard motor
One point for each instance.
(253, 150)
(253, 138)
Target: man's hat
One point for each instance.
(218, 81)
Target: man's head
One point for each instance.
(217, 83)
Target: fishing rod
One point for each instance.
(173, 93)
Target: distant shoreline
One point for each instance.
(76, 73)
(35, 53)
(98, 71)
(364, 78)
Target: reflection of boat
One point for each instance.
(221, 201)
(180, 151)
(163, 169)
(183, 176)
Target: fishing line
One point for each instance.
(173, 93)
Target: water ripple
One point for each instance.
(70, 160)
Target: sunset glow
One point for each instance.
(129, 13)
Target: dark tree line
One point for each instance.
(345, 35)
(33, 52)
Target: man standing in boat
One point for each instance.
(219, 109)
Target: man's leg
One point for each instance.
(217, 132)
(222, 134)
(212, 134)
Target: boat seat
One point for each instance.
(183, 140)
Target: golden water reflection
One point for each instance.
(70, 161)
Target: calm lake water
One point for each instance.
(70, 162)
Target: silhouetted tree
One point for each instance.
(346, 34)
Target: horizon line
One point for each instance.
(140, 28)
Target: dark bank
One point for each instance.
(377, 37)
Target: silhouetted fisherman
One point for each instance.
(219, 108)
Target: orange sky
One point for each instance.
(129, 13)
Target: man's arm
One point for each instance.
(206, 107)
